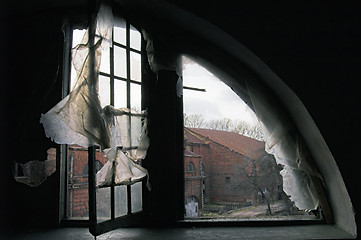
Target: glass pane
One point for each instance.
(136, 197)
(104, 91)
(119, 35)
(135, 97)
(120, 62)
(120, 94)
(103, 204)
(121, 202)
(135, 67)
(135, 38)
(104, 61)
(77, 37)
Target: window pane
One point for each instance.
(104, 61)
(104, 91)
(120, 94)
(77, 37)
(136, 197)
(119, 35)
(103, 204)
(135, 96)
(120, 62)
(135, 67)
(135, 38)
(121, 202)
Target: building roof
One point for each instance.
(193, 137)
(246, 146)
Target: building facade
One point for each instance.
(229, 169)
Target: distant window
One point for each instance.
(98, 166)
(191, 167)
(228, 180)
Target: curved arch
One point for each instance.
(246, 73)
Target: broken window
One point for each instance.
(34, 173)
(103, 110)
(241, 180)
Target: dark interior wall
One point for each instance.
(33, 70)
(314, 48)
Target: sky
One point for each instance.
(217, 102)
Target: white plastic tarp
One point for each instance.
(80, 119)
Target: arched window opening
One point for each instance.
(232, 144)
(191, 167)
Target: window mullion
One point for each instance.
(128, 63)
(111, 53)
(111, 61)
(129, 191)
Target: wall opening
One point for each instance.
(34, 173)
(234, 177)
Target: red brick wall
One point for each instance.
(193, 180)
(225, 178)
(78, 185)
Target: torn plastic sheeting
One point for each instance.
(298, 185)
(79, 118)
(122, 171)
(80, 112)
(129, 132)
(283, 142)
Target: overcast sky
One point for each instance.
(217, 102)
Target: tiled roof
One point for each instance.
(246, 146)
(192, 137)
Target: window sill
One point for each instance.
(275, 232)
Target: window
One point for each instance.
(228, 180)
(120, 85)
(34, 173)
(191, 167)
(166, 109)
(98, 166)
(243, 181)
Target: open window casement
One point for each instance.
(121, 133)
(79, 118)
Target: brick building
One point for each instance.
(228, 169)
(219, 168)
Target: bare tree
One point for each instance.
(245, 128)
(262, 178)
(194, 121)
(224, 124)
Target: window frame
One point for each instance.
(68, 29)
(179, 221)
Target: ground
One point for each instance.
(279, 212)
